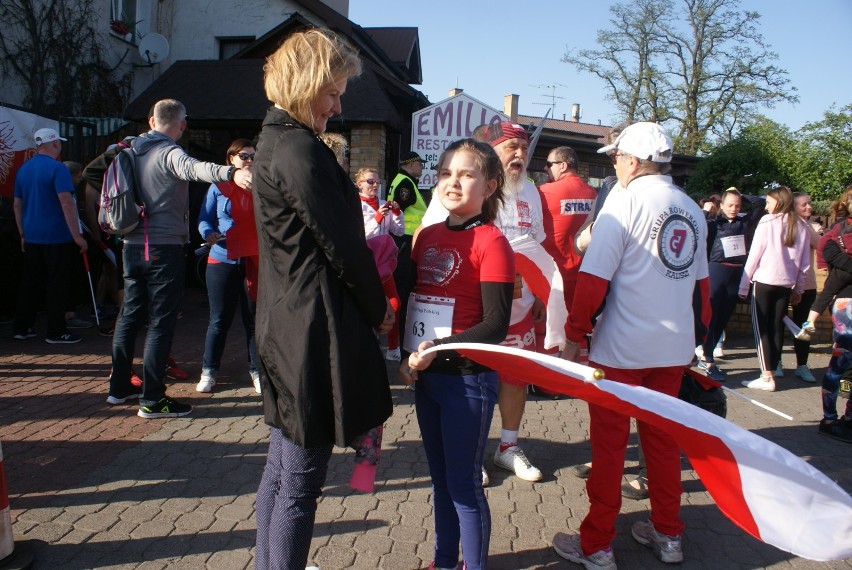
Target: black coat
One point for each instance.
(319, 294)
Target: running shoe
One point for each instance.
(165, 408)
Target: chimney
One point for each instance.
(575, 112)
(455, 91)
(510, 107)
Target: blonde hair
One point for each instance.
(307, 61)
(364, 171)
(337, 143)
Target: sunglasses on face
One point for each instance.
(245, 155)
(550, 164)
(370, 181)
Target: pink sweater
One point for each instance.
(771, 262)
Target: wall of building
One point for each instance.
(368, 149)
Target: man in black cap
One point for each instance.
(413, 202)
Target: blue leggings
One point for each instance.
(454, 413)
(286, 503)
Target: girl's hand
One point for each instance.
(418, 362)
(212, 238)
(795, 298)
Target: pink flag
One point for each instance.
(763, 488)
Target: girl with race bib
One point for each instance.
(465, 279)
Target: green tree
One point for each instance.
(701, 67)
(759, 156)
(823, 167)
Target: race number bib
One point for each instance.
(733, 246)
(427, 318)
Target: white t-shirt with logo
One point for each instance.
(519, 216)
(649, 241)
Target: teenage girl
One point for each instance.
(777, 267)
(380, 220)
(465, 279)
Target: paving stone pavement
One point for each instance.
(94, 486)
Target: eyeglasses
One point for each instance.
(245, 155)
(550, 164)
(370, 181)
(614, 156)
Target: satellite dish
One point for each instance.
(153, 48)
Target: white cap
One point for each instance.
(647, 141)
(43, 136)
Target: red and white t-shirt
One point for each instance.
(453, 263)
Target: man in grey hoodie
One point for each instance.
(154, 260)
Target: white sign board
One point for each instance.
(436, 126)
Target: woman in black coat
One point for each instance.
(320, 300)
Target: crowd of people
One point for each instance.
(295, 243)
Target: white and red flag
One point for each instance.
(763, 488)
(16, 143)
(542, 276)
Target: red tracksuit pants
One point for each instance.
(609, 432)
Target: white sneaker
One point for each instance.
(514, 460)
(208, 380)
(666, 548)
(804, 373)
(255, 379)
(568, 547)
(779, 372)
(718, 352)
(486, 480)
(392, 354)
(699, 352)
(760, 384)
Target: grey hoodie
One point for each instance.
(163, 170)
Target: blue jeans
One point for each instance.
(286, 502)
(226, 288)
(152, 294)
(454, 413)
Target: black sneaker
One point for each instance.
(106, 331)
(27, 334)
(840, 429)
(135, 392)
(165, 408)
(67, 338)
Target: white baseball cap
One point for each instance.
(43, 136)
(647, 141)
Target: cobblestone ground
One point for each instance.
(94, 486)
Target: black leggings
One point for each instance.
(768, 307)
(800, 315)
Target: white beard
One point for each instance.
(513, 183)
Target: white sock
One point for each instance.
(508, 436)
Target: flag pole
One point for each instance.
(756, 403)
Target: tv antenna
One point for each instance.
(553, 96)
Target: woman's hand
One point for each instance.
(242, 178)
(212, 238)
(416, 361)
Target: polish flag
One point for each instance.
(542, 276)
(763, 488)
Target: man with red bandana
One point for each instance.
(519, 216)
(648, 263)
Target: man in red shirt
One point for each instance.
(566, 202)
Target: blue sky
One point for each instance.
(490, 49)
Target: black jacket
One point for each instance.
(319, 294)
